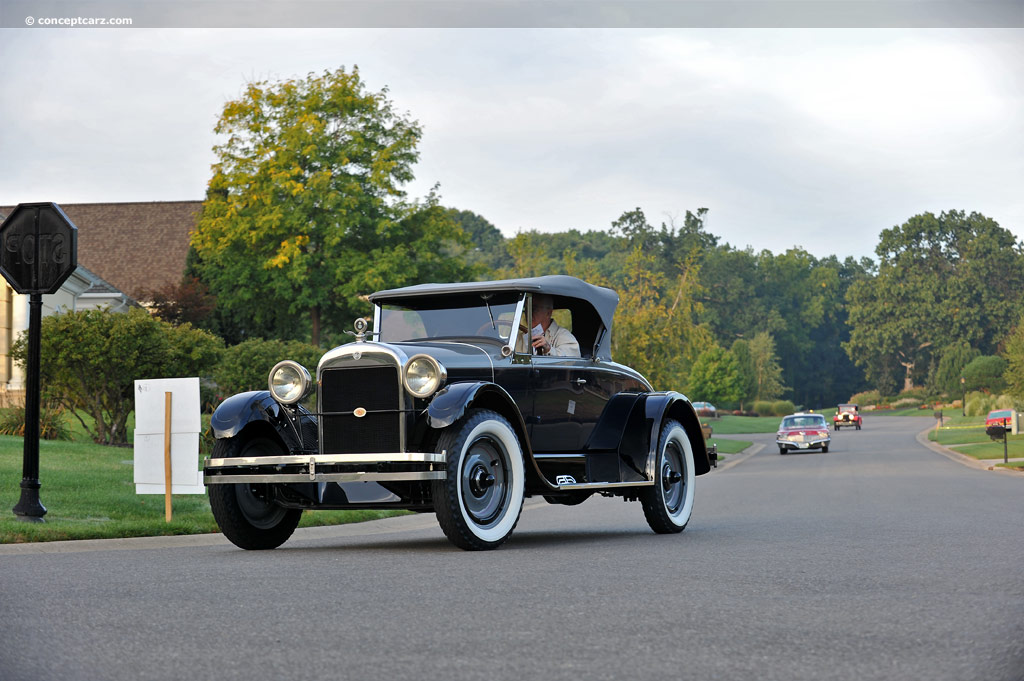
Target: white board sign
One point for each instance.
(150, 415)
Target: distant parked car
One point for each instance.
(803, 431)
(847, 415)
(1000, 417)
(705, 409)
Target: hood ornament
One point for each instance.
(361, 333)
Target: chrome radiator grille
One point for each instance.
(374, 388)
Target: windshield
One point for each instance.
(803, 422)
(477, 315)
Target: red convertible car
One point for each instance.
(847, 415)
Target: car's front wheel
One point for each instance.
(668, 504)
(479, 502)
(243, 512)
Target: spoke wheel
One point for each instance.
(479, 502)
(669, 503)
(244, 513)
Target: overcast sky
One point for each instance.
(818, 138)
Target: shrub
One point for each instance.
(53, 423)
(865, 398)
(90, 360)
(774, 408)
(985, 373)
(980, 404)
(247, 366)
(782, 407)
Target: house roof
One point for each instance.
(136, 247)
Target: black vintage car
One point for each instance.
(443, 407)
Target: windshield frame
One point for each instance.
(380, 311)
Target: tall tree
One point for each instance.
(1014, 351)
(941, 279)
(767, 372)
(305, 211)
(715, 377)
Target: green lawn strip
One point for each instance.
(89, 493)
(743, 425)
(994, 450)
(1016, 465)
(729, 446)
(906, 411)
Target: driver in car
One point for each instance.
(548, 338)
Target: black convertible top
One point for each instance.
(600, 300)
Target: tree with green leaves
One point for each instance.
(305, 211)
(1014, 353)
(950, 367)
(765, 364)
(715, 377)
(941, 280)
(745, 365)
(985, 373)
(91, 359)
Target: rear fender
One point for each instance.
(672, 405)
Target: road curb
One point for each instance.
(402, 523)
(953, 455)
(739, 458)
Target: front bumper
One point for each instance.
(806, 443)
(375, 467)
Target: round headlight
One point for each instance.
(289, 382)
(424, 376)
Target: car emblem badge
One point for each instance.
(359, 412)
(356, 355)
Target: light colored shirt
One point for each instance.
(562, 342)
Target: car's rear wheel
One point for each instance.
(824, 449)
(782, 450)
(244, 513)
(479, 502)
(669, 503)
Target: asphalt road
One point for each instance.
(879, 560)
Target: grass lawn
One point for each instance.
(729, 446)
(1016, 465)
(994, 450)
(743, 425)
(969, 431)
(88, 492)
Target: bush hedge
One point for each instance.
(774, 408)
(247, 366)
(90, 360)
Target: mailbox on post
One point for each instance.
(38, 252)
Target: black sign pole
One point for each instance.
(38, 252)
(29, 507)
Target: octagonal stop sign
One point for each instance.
(38, 248)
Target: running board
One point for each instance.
(604, 485)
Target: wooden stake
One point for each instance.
(167, 457)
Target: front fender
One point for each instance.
(449, 405)
(238, 411)
(672, 405)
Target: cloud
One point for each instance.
(817, 138)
